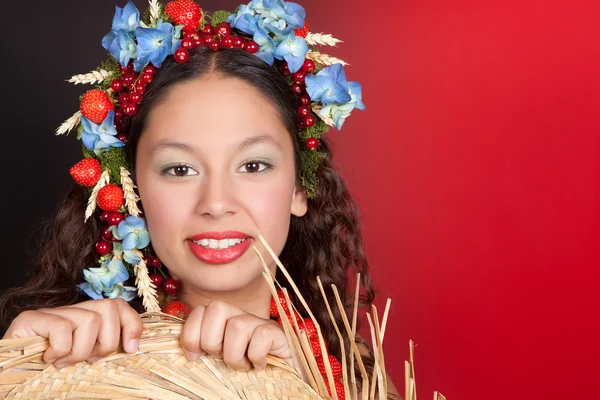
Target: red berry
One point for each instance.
(198, 41)
(312, 143)
(123, 99)
(238, 42)
(117, 85)
(177, 309)
(128, 78)
(149, 69)
(316, 346)
(336, 367)
(130, 109)
(298, 77)
(184, 12)
(135, 97)
(227, 42)
(308, 67)
(95, 105)
(251, 46)
(223, 29)
(129, 67)
(215, 45)
(299, 89)
(154, 262)
(303, 111)
(208, 29)
(140, 87)
(147, 78)
(302, 31)
(187, 43)
(285, 69)
(114, 218)
(119, 116)
(123, 137)
(304, 100)
(86, 172)
(106, 233)
(207, 39)
(110, 197)
(171, 286)
(156, 279)
(309, 121)
(104, 216)
(188, 34)
(103, 247)
(300, 124)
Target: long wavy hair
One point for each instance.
(326, 242)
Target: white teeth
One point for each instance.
(218, 244)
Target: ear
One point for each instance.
(299, 202)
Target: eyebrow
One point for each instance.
(246, 143)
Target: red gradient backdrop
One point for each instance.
(476, 166)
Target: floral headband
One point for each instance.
(273, 30)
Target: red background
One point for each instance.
(476, 167)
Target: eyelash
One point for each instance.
(267, 167)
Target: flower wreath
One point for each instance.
(273, 30)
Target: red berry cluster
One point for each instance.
(160, 277)
(308, 326)
(110, 218)
(305, 114)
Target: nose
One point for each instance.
(217, 196)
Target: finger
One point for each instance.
(213, 327)
(190, 334)
(131, 326)
(109, 334)
(238, 332)
(259, 346)
(58, 331)
(86, 325)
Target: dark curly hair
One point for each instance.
(326, 242)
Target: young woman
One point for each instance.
(217, 149)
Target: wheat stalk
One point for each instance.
(324, 59)
(91, 207)
(131, 198)
(316, 107)
(154, 11)
(322, 39)
(95, 76)
(69, 124)
(146, 289)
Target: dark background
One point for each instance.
(476, 165)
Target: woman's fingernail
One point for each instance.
(191, 355)
(133, 345)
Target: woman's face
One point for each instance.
(215, 166)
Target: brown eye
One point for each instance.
(180, 171)
(255, 167)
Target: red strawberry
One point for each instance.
(177, 309)
(339, 389)
(336, 367)
(110, 198)
(86, 172)
(274, 310)
(298, 320)
(184, 12)
(95, 105)
(316, 346)
(302, 31)
(309, 327)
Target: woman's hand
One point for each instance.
(84, 331)
(242, 340)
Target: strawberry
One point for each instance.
(110, 198)
(315, 345)
(339, 389)
(177, 309)
(309, 327)
(95, 105)
(274, 310)
(336, 367)
(298, 320)
(302, 31)
(184, 12)
(86, 172)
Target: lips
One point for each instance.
(235, 243)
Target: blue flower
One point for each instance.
(329, 85)
(129, 256)
(272, 16)
(120, 45)
(266, 46)
(154, 44)
(133, 232)
(292, 49)
(126, 18)
(339, 112)
(99, 138)
(126, 293)
(102, 281)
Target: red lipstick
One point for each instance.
(219, 256)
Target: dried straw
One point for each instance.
(91, 206)
(96, 76)
(69, 124)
